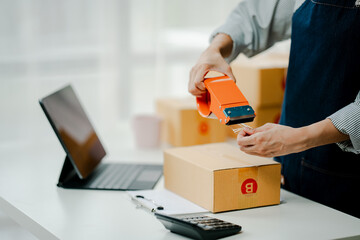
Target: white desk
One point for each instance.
(28, 194)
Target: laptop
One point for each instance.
(83, 168)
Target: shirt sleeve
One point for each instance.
(347, 121)
(255, 25)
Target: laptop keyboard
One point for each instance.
(114, 176)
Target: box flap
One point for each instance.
(218, 156)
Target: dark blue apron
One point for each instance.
(323, 77)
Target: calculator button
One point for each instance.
(204, 222)
(208, 227)
(186, 220)
(218, 221)
(216, 224)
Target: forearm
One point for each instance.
(255, 25)
(320, 133)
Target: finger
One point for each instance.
(196, 87)
(241, 133)
(200, 86)
(246, 141)
(191, 76)
(252, 150)
(192, 88)
(199, 91)
(199, 78)
(195, 91)
(248, 131)
(245, 132)
(229, 72)
(231, 75)
(198, 95)
(259, 151)
(248, 150)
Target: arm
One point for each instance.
(253, 26)
(347, 121)
(273, 140)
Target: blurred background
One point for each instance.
(119, 55)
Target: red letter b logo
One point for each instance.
(249, 186)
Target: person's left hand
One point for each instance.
(270, 140)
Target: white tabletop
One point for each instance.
(28, 194)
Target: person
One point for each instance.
(317, 140)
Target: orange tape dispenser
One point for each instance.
(225, 100)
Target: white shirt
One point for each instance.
(255, 25)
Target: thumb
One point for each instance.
(230, 74)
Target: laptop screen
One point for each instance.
(74, 130)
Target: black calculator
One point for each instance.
(199, 227)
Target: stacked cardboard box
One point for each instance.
(183, 125)
(262, 80)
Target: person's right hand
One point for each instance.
(210, 60)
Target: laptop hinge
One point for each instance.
(67, 172)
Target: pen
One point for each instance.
(158, 207)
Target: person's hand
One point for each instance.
(212, 59)
(271, 140)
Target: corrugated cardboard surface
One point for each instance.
(180, 175)
(213, 176)
(183, 125)
(262, 78)
(261, 87)
(229, 196)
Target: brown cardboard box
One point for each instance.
(219, 177)
(261, 79)
(263, 115)
(183, 125)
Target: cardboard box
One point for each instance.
(183, 125)
(219, 177)
(263, 115)
(261, 79)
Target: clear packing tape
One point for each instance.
(236, 128)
